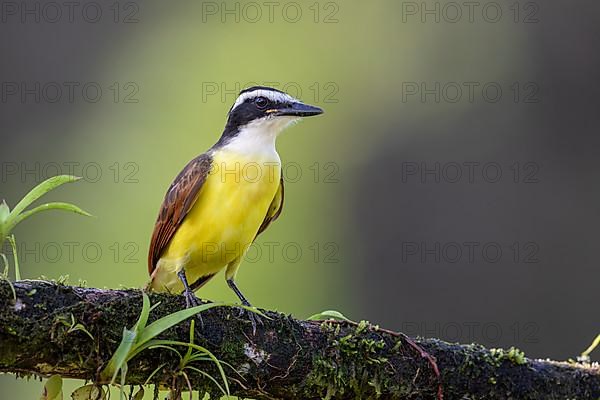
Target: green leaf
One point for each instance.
(129, 340)
(42, 189)
(188, 353)
(140, 325)
(49, 206)
(154, 373)
(52, 389)
(120, 357)
(124, 369)
(4, 211)
(166, 322)
(6, 265)
(17, 214)
(9, 219)
(141, 337)
(328, 314)
(13, 245)
(162, 346)
(80, 327)
(158, 342)
(594, 344)
(139, 395)
(89, 392)
(226, 393)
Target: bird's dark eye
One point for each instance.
(261, 102)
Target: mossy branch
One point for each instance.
(287, 358)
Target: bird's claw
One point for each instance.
(253, 317)
(192, 301)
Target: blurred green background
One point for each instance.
(169, 72)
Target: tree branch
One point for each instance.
(287, 358)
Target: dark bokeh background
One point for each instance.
(378, 212)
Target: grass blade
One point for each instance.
(161, 325)
(42, 189)
(594, 344)
(123, 380)
(13, 245)
(204, 350)
(128, 343)
(120, 357)
(154, 373)
(188, 353)
(162, 346)
(140, 325)
(4, 213)
(45, 207)
(209, 377)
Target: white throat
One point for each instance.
(257, 139)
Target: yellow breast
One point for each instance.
(225, 219)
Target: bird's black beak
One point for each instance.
(297, 110)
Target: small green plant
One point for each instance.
(11, 218)
(90, 392)
(52, 389)
(141, 337)
(191, 356)
(585, 356)
(74, 326)
(328, 315)
(513, 355)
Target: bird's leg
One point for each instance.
(190, 299)
(254, 319)
(239, 294)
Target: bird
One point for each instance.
(224, 198)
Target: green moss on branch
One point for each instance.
(287, 358)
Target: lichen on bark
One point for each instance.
(287, 358)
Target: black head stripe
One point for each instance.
(250, 89)
(245, 109)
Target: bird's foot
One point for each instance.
(192, 301)
(252, 316)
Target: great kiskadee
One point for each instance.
(223, 199)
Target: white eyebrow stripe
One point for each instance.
(269, 94)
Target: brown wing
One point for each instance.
(274, 209)
(180, 198)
